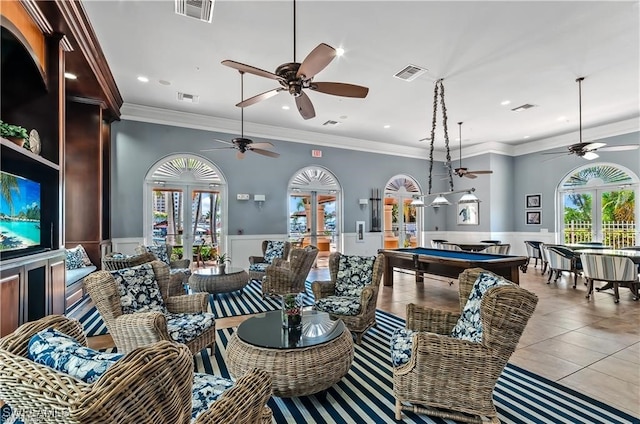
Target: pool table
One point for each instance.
(448, 263)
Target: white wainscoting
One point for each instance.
(241, 247)
(126, 246)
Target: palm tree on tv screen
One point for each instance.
(8, 183)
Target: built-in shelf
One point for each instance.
(27, 154)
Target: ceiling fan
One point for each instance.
(242, 144)
(587, 150)
(294, 77)
(464, 172)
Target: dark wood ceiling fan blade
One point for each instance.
(316, 61)
(261, 145)
(480, 172)
(251, 69)
(619, 148)
(265, 152)
(340, 89)
(259, 97)
(305, 107)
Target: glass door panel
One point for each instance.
(206, 223)
(618, 226)
(313, 219)
(578, 218)
(168, 225)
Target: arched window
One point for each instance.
(315, 205)
(185, 203)
(597, 202)
(402, 221)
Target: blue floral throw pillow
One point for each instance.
(160, 252)
(469, 325)
(63, 353)
(274, 250)
(354, 272)
(139, 291)
(74, 259)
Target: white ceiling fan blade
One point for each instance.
(593, 146)
(261, 145)
(590, 156)
(619, 148)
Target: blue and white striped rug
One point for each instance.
(365, 394)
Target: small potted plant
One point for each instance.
(222, 262)
(14, 133)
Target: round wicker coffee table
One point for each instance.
(299, 365)
(212, 280)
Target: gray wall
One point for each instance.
(136, 146)
(535, 173)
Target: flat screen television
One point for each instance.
(20, 206)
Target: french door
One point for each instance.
(313, 219)
(603, 214)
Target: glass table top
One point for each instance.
(265, 330)
(216, 271)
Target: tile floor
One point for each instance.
(592, 346)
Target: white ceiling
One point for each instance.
(487, 52)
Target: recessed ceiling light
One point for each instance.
(285, 107)
(505, 102)
(69, 75)
(143, 79)
(526, 136)
(386, 126)
(339, 51)
(562, 118)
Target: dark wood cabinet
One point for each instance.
(10, 282)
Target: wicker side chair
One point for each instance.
(115, 260)
(284, 277)
(357, 311)
(132, 330)
(271, 250)
(452, 378)
(149, 385)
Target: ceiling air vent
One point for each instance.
(189, 98)
(331, 123)
(523, 107)
(198, 9)
(410, 72)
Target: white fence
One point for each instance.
(614, 233)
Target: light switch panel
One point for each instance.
(242, 196)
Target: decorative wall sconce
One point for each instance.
(259, 199)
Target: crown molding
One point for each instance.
(134, 112)
(154, 115)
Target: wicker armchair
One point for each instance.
(449, 377)
(132, 330)
(151, 384)
(271, 250)
(284, 277)
(115, 260)
(358, 312)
